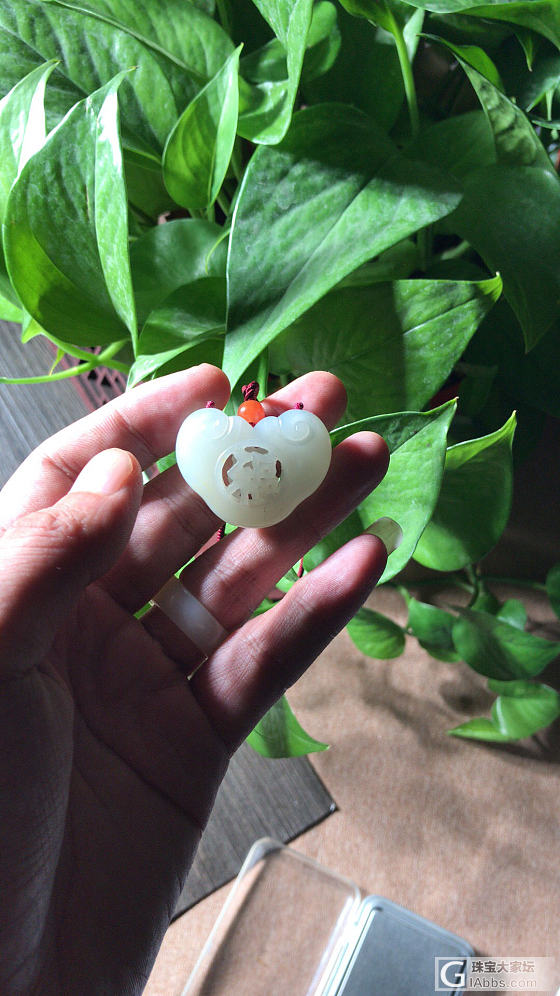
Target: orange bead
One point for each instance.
(251, 411)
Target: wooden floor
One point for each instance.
(258, 797)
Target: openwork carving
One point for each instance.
(251, 475)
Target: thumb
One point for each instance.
(48, 557)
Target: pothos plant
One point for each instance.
(282, 185)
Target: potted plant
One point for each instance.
(367, 187)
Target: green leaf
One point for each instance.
(111, 211)
(392, 344)
(516, 142)
(266, 108)
(499, 650)
(198, 150)
(523, 708)
(530, 377)
(333, 194)
(181, 358)
(186, 318)
(502, 216)
(174, 47)
(375, 635)
(543, 16)
(22, 127)
(409, 490)
(168, 256)
(485, 600)
(278, 734)
(65, 235)
(144, 184)
(377, 89)
(474, 503)
(459, 144)
(513, 612)
(432, 627)
(528, 87)
(323, 42)
(9, 312)
(480, 729)
(553, 588)
(383, 12)
(471, 55)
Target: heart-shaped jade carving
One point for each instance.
(253, 475)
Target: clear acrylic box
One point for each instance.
(293, 928)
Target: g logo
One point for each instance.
(452, 973)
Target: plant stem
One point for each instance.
(455, 252)
(107, 355)
(262, 375)
(408, 77)
(47, 378)
(96, 361)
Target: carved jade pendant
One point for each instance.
(253, 475)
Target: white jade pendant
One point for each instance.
(253, 475)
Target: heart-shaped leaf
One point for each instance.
(66, 228)
(474, 503)
(517, 143)
(169, 256)
(521, 709)
(278, 734)
(480, 729)
(499, 650)
(10, 312)
(377, 88)
(376, 635)
(392, 344)
(333, 194)
(501, 216)
(543, 16)
(513, 612)
(175, 49)
(471, 56)
(408, 492)
(22, 132)
(198, 150)
(459, 144)
(22, 127)
(266, 107)
(187, 317)
(432, 627)
(521, 712)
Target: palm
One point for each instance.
(126, 836)
(116, 754)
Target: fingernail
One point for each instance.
(105, 474)
(389, 532)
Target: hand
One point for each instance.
(110, 757)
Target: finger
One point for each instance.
(174, 522)
(232, 577)
(51, 555)
(144, 421)
(319, 392)
(256, 665)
